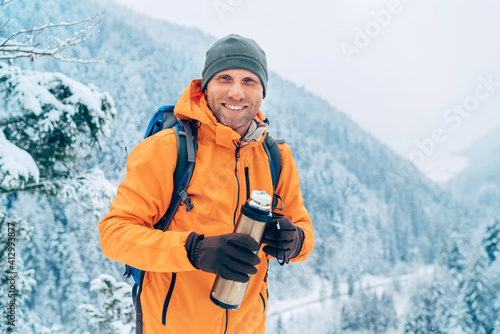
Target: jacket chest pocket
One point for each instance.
(213, 193)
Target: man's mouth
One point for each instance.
(233, 107)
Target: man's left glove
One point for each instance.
(283, 238)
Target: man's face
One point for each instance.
(235, 96)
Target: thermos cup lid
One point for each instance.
(261, 197)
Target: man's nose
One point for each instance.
(236, 91)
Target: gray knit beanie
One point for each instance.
(235, 52)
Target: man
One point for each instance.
(181, 264)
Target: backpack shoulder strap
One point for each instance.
(273, 153)
(186, 134)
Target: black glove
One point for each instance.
(230, 256)
(283, 238)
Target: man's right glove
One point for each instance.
(230, 256)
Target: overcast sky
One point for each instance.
(422, 75)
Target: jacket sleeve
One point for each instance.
(293, 204)
(126, 232)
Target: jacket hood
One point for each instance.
(193, 105)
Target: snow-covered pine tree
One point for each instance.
(280, 326)
(452, 254)
(427, 313)
(71, 279)
(388, 317)
(477, 294)
(351, 285)
(491, 240)
(350, 318)
(496, 330)
(367, 312)
(116, 313)
(458, 319)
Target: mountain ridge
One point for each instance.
(479, 183)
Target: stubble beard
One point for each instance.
(235, 121)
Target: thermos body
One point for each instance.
(255, 214)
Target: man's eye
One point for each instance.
(249, 80)
(224, 77)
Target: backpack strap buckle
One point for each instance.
(185, 198)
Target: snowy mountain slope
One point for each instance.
(371, 210)
(479, 183)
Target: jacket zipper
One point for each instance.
(227, 321)
(247, 179)
(237, 155)
(167, 299)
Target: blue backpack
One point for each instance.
(186, 133)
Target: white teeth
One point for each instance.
(233, 107)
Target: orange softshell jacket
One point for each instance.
(175, 295)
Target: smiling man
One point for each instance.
(181, 263)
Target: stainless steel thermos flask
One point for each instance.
(255, 214)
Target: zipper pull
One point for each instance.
(238, 147)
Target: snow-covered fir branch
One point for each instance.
(51, 122)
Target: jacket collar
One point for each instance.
(255, 132)
(193, 106)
